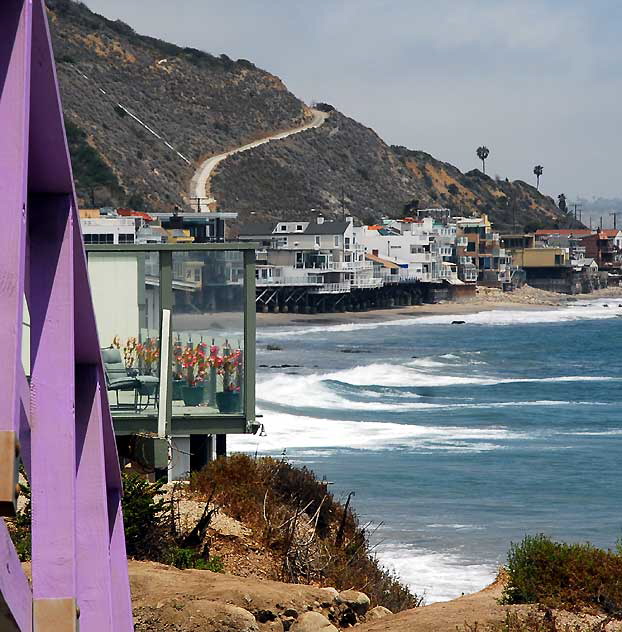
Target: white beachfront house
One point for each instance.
(323, 256)
(424, 249)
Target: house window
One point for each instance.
(337, 241)
(558, 260)
(471, 246)
(283, 227)
(347, 242)
(126, 239)
(299, 227)
(317, 240)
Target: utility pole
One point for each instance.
(615, 217)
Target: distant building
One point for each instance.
(423, 249)
(480, 247)
(321, 255)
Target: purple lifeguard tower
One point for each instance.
(58, 421)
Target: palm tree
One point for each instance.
(538, 169)
(482, 153)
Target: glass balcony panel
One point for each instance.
(126, 296)
(208, 333)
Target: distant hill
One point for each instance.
(198, 104)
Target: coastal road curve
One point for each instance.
(200, 182)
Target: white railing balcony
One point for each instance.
(289, 281)
(367, 283)
(420, 257)
(350, 266)
(331, 288)
(462, 241)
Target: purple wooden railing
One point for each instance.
(58, 421)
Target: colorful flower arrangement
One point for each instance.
(148, 354)
(129, 350)
(193, 362)
(231, 370)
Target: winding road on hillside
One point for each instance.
(200, 182)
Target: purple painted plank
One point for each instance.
(93, 552)
(52, 397)
(121, 597)
(49, 166)
(14, 586)
(15, 17)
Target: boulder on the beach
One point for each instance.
(313, 622)
(355, 600)
(379, 612)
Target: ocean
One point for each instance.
(457, 439)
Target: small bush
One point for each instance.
(562, 575)
(190, 558)
(144, 517)
(19, 527)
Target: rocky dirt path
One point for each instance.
(449, 616)
(200, 182)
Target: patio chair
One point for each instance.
(118, 378)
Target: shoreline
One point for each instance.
(486, 301)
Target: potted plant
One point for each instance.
(229, 401)
(148, 353)
(193, 363)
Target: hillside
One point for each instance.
(199, 105)
(345, 165)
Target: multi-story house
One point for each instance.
(604, 247)
(422, 248)
(322, 256)
(479, 250)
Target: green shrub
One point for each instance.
(19, 527)
(145, 517)
(563, 575)
(181, 557)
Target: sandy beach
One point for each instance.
(525, 298)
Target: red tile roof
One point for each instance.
(128, 212)
(578, 232)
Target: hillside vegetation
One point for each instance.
(199, 103)
(202, 104)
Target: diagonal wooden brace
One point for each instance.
(9, 472)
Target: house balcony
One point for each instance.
(292, 281)
(352, 266)
(331, 288)
(462, 242)
(165, 339)
(367, 283)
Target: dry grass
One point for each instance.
(315, 538)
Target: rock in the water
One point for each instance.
(357, 601)
(313, 622)
(379, 612)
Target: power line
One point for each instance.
(132, 115)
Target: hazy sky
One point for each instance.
(535, 81)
